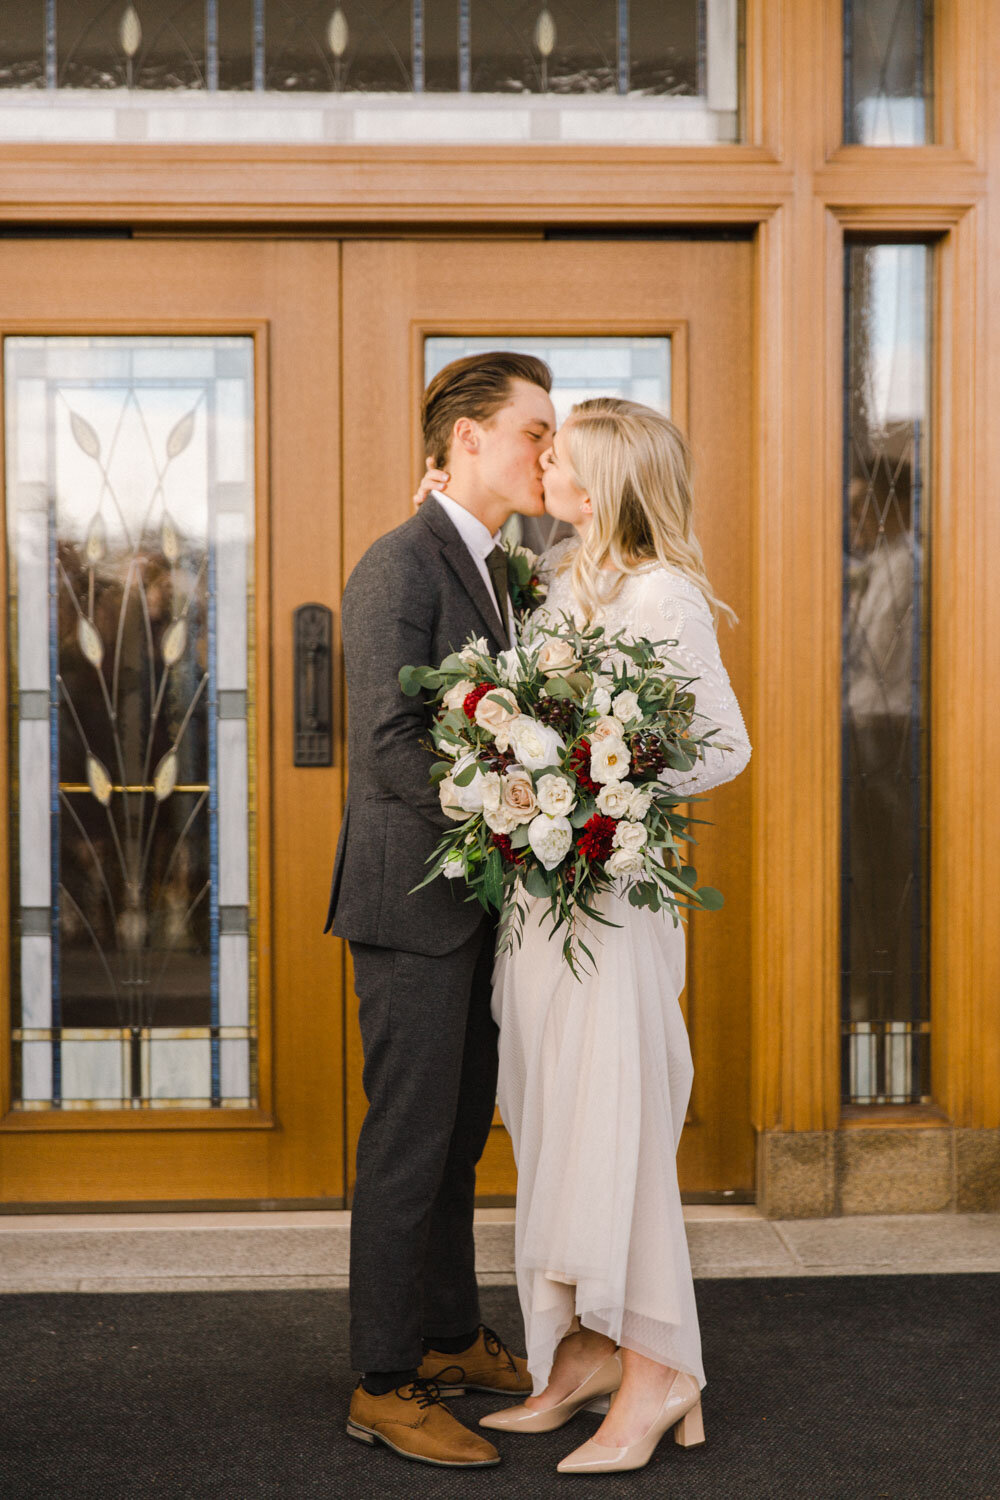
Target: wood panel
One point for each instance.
(293, 1146)
(396, 293)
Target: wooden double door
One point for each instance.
(202, 436)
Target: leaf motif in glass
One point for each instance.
(96, 544)
(130, 32)
(174, 641)
(181, 435)
(545, 34)
(85, 435)
(165, 776)
(169, 540)
(337, 33)
(98, 780)
(90, 641)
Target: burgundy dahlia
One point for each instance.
(595, 839)
(579, 762)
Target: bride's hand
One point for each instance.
(434, 479)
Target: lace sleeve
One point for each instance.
(675, 609)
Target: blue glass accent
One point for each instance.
(50, 44)
(258, 45)
(464, 46)
(212, 45)
(623, 47)
(418, 46)
(54, 840)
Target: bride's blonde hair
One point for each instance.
(636, 467)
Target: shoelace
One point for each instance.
(424, 1392)
(495, 1345)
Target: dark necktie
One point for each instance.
(496, 564)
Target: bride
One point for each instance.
(595, 1073)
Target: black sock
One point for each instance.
(453, 1345)
(381, 1382)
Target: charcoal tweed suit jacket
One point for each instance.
(415, 596)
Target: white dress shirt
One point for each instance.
(479, 544)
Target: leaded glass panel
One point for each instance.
(886, 1013)
(637, 369)
(130, 511)
(888, 72)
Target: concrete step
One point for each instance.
(261, 1251)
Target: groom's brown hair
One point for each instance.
(476, 386)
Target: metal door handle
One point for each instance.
(313, 672)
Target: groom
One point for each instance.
(423, 961)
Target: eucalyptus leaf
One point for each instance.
(710, 898)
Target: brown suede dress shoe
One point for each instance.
(414, 1423)
(487, 1366)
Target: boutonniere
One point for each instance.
(527, 591)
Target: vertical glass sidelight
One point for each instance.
(130, 510)
(888, 72)
(637, 369)
(884, 910)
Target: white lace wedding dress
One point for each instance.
(595, 1073)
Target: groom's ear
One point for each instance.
(466, 433)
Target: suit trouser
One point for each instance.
(430, 1075)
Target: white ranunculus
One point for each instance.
(551, 839)
(606, 728)
(517, 793)
(495, 709)
(556, 658)
(499, 819)
(625, 706)
(470, 797)
(624, 862)
(640, 803)
(600, 700)
(555, 795)
(456, 696)
(630, 837)
(615, 798)
(448, 795)
(454, 866)
(535, 745)
(508, 666)
(609, 760)
(468, 654)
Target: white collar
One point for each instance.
(469, 527)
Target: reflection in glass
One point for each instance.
(22, 45)
(637, 369)
(888, 74)
(885, 684)
(317, 45)
(134, 44)
(130, 486)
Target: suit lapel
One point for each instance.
(459, 559)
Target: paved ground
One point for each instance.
(305, 1250)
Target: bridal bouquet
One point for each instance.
(550, 766)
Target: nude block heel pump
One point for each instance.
(690, 1430)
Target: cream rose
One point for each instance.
(609, 760)
(535, 745)
(640, 803)
(600, 700)
(492, 796)
(614, 799)
(556, 657)
(469, 654)
(555, 795)
(630, 837)
(625, 706)
(499, 819)
(606, 728)
(624, 862)
(470, 797)
(551, 839)
(517, 794)
(456, 696)
(495, 709)
(448, 795)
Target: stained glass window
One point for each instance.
(886, 1016)
(130, 513)
(888, 72)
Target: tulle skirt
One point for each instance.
(595, 1077)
